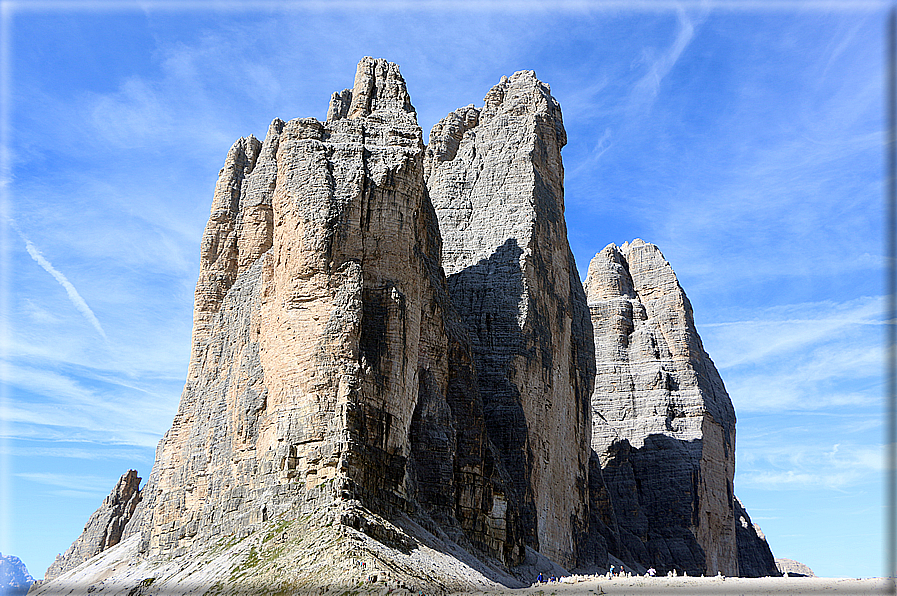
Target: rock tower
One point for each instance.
(663, 426)
(496, 180)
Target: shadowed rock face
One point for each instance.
(663, 427)
(495, 177)
(754, 555)
(105, 527)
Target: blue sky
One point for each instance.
(743, 138)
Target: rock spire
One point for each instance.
(105, 527)
(496, 180)
(663, 427)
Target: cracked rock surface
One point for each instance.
(496, 179)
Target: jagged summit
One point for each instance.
(393, 374)
(378, 86)
(496, 180)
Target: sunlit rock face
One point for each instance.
(495, 177)
(327, 362)
(663, 427)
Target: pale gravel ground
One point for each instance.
(675, 586)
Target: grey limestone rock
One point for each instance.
(105, 527)
(14, 577)
(495, 177)
(754, 555)
(328, 364)
(793, 568)
(663, 426)
(392, 341)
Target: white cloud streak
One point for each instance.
(810, 356)
(648, 87)
(801, 467)
(85, 484)
(76, 299)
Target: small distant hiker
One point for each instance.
(539, 579)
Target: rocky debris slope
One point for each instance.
(754, 555)
(663, 427)
(105, 527)
(315, 553)
(14, 576)
(495, 177)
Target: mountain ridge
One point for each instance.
(392, 347)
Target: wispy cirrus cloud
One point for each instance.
(77, 486)
(809, 356)
(769, 332)
(646, 90)
(77, 301)
(78, 405)
(774, 466)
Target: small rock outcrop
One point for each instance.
(14, 577)
(793, 568)
(754, 555)
(496, 178)
(105, 527)
(663, 426)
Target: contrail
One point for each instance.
(74, 296)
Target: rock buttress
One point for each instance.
(495, 177)
(663, 426)
(755, 558)
(105, 527)
(322, 342)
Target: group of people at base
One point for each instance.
(621, 572)
(541, 580)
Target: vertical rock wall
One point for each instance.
(496, 180)
(663, 427)
(323, 336)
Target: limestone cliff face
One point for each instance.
(322, 342)
(663, 427)
(105, 527)
(495, 177)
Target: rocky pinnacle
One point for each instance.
(663, 427)
(496, 178)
